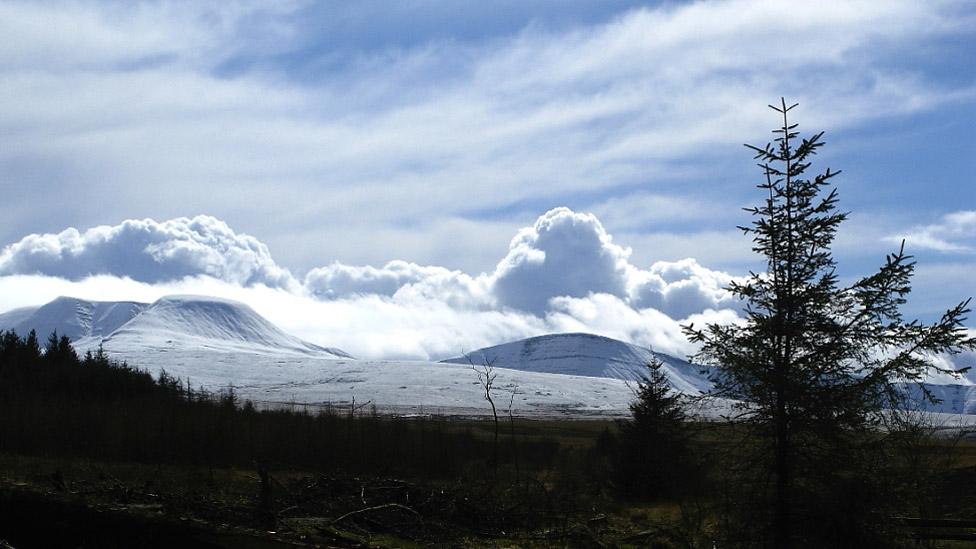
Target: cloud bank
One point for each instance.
(562, 273)
(564, 254)
(148, 251)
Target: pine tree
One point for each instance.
(653, 444)
(815, 363)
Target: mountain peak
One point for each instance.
(585, 354)
(73, 317)
(191, 321)
(210, 322)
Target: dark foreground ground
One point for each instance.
(83, 502)
(100, 454)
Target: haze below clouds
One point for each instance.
(406, 180)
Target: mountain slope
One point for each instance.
(189, 322)
(587, 355)
(954, 398)
(590, 355)
(78, 319)
(217, 343)
(196, 322)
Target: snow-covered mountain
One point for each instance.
(591, 355)
(187, 322)
(955, 398)
(588, 355)
(195, 322)
(216, 343)
(76, 318)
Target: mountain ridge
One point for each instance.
(219, 342)
(590, 355)
(78, 319)
(188, 320)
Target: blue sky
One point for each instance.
(345, 135)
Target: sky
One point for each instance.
(410, 179)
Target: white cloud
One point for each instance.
(681, 288)
(398, 278)
(564, 254)
(338, 280)
(148, 251)
(954, 233)
(401, 310)
(564, 273)
(570, 254)
(640, 209)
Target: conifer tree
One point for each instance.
(815, 363)
(654, 441)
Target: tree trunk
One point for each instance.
(782, 513)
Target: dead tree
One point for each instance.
(486, 377)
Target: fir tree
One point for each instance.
(653, 444)
(815, 362)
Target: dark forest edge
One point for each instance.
(220, 459)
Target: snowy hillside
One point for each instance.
(216, 343)
(590, 355)
(955, 398)
(404, 387)
(184, 322)
(587, 355)
(195, 323)
(76, 318)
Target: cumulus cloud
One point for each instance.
(954, 233)
(337, 280)
(148, 251)
(398, 278)
(570, 254)
(681, 288)
(402, 310)
(563, 254)
(562, 273)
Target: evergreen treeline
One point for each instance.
(55, 403)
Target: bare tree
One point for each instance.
(486, 377)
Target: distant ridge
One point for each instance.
(188, 321)
(78, 319)
(217, 342)
(583, 354)
(209, 322)
(590, 355)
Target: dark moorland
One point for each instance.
(99, 454)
